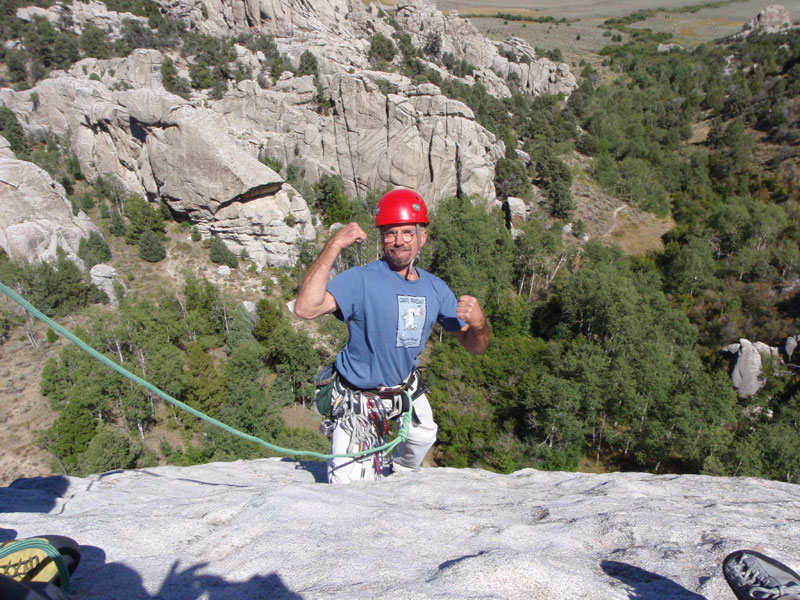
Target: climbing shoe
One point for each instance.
(754, 576)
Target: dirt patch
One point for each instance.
(638, 233)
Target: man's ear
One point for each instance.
(423, 236)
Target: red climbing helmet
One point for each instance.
(401, 206)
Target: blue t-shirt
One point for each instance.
(389, 319)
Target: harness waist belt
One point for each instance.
(413, 383)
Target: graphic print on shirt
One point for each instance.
(411, 313)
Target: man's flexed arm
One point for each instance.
(313, 299)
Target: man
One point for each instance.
(390, 307)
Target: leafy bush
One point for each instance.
(172, 81)
(308, 65)
(93, 250)
(221, 255)
(381, 48)
(12, 131)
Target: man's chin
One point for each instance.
(398, 263)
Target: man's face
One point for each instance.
(401, 244)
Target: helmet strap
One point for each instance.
(411, 270)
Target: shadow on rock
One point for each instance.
(34, 494)
(97, 579)
(645, 585)
(319, 469)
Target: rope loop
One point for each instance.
(402, 434)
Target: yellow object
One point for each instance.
(28, 564)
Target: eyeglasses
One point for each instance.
(391, 235)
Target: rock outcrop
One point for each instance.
(36, 217)
(746, 360)
(79, 15)
(159, 146)
(103, 277)
(267, 529)
(772, 19)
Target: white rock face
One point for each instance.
(789, 347)
(746, 362)
(35, 214)
(268, 529)
(103, 277)
(82, 14)
(160, 147)
(774, 18)
(517, 213)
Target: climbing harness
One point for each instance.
(402, 434)
(365, 415)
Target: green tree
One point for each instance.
(151, 248)
(291, 353)
(381, 48)
(117, 226)
(141, 217)
(95, 42)
(205, 312)
(93, 250)
(221, 255)
(203, 384)
(691, 269)
(109, 449)
(559, 199)
(59, 287)
(68, 437)
(240, 329)
(333, 201)
(173, 82)
(12, 131)
(472, 250)
(510, 179)
(268, 317)
(307, 65)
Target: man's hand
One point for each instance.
(474, 336)
(347, 236)
(470, 311)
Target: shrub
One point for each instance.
(151, 248)
(381, 47)
(221, 255)
(93, 250)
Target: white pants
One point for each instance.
(408, 455)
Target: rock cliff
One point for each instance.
(36, 217)
(267, 529)
(200, 156)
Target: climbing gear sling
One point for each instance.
(365, 415)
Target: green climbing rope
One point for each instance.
(402, 434)
(49, 549)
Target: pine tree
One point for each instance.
(151, 248)
(117, 223)
(93, 250)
